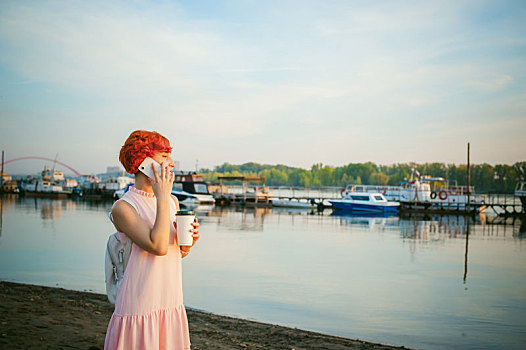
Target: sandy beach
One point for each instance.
(36, 317)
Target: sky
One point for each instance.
(274, 82)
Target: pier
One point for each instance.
(253, 192)
(506, 205)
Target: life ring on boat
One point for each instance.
(342, 192)
(453, 190)
(433, 195)
(382, 190)
(442, 195)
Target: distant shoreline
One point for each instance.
(45, 317)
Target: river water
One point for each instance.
(419, 282)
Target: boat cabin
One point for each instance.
(190, 182)
(366, 197)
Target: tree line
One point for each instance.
(501, 178)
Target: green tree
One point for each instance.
(485, 177)
(378, 178)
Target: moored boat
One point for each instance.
(293, 203)
(51, 183)
(425, 190)
(8, 185)
(365, 201)
(190, 187)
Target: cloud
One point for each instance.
(492, 84)
(106, 49)
(292, 83)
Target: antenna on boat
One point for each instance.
(2, 175)
(54, 163)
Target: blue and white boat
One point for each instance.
(365, 202)
(188, 198)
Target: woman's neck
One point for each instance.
(143, 183)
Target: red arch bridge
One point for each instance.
(48, 159)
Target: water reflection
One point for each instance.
(372, 221)
(399, 280)
(240, 218)
(1, 214)
(6, 200)
(498, 225)
(466, 251)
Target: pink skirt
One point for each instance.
(158, 330)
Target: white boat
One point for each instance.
(422, 189)
(106, 186)
(292, 203)
(187, 198)
(115, 183)
(191, 188)
(365, 202)
(51, 183)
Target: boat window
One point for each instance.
(378, 198)
(360, 198)
(201, 188)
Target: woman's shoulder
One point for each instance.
(124, 205)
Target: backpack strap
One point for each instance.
(127, 252)
(127, 249)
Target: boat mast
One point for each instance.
(54, 163)
(2, 175)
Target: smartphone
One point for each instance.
(146, 167)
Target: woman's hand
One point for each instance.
(185, 250)
(195, 231)
(162, 186)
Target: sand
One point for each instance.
(36, 317)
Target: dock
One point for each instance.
(503, 205)
(253, 193)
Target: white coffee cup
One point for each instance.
(184, 220)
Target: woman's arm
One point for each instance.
(127, 220)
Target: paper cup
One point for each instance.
(184, 220)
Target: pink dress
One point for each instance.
(149, 311)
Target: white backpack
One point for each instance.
(117, 256)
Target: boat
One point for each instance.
(104, 186)
(51, 183)
(293, 203)
(190, 199)
(8, 185)
(189, 186)
(365, 202)
(108, 185)
(424, 190)
(119, 193)
(185, 198)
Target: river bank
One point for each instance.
(54, 318)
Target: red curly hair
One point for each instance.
(139, 145)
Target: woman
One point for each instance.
(149, 311)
